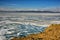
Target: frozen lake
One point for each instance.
(20, 14)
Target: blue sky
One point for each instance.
(29, 3)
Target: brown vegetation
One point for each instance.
(51, 33)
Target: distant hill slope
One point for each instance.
(31, 11)
(51, 33)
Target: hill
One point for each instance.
(29, 11)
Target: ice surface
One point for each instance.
(10, 30)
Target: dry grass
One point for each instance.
(51, 33)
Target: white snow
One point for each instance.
(2, 32)
(2, 38)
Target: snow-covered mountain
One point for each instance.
(53, 9)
